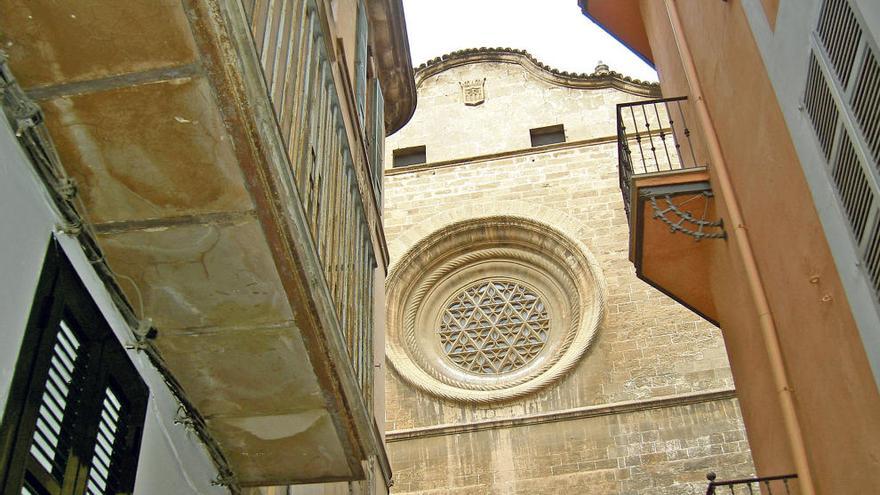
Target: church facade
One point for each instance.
(525, 356)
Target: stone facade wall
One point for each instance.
(663, 451)
(516, 100)
(648, 347)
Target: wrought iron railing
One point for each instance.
(653, 136)
(767, 485)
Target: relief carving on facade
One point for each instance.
(473, 92)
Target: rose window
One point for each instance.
(494, 327)
(492, 308)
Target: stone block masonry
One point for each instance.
(650, 407)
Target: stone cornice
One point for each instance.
(500, 155)
(678, 400)
(601, 78)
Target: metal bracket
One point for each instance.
(142, 334)
(703, 228)
(184, 418)
(225, 479)
(21, 111)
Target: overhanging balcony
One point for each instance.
(227, 195)
(668, 200)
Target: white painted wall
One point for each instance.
(172, 460)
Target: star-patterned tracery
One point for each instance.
(494, 327)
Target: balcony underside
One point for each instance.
(623, 20)
(672, 261)
(158, 111)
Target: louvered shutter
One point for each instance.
(842, 103)
(377, 136)
(78, 428)
(360, 63)
(56, 415)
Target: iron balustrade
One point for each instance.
(767, 485)
(652, 137)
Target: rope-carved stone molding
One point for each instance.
(601, 78)
(559, 268)
(418, 295)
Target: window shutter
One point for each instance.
(76, 428)
(377, 155)
(54, 414)
(842, 103)
(360, 63)
(104, 458)
(840, 34)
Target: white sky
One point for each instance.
(554, 31)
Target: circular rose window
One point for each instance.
(494, 327)
(491, 309)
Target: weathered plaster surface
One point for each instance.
(172, 460)
(112, 39)
(160, 114)
(148, 151)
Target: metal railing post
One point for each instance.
(641, 123)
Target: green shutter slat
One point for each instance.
(360, 62)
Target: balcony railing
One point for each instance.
(653, 136)
(291, 43)
(768, 485)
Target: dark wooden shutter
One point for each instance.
(76, 410)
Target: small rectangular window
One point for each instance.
(404, 157)
(547, 135)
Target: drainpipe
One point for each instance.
(740, 236)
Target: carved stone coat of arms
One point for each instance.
(474, 92)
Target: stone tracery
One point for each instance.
(494, 327)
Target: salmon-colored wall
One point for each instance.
(623, 20)
(771, 7)
(837, 401)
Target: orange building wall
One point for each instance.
(771, 8)
(836, 398)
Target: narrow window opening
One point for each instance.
(543, 136)
(404, 157)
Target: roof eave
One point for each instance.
(645, 55)
(393, 61)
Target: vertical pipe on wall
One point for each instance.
(739, 235)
